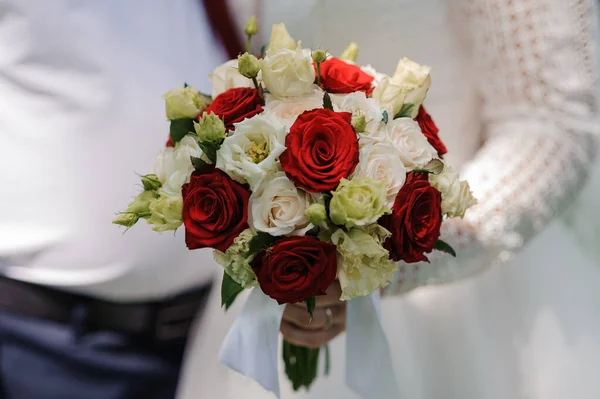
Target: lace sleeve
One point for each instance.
(536, 65)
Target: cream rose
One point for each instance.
(381, 161)
(390, 95)
(456, 194)
(407, 137)
(288, 108)
(359, 105)
(173, 166)
(253, 149)
(226, 77)
(415, 80)
(288, 72)
(278, 207)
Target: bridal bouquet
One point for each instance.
(299, 170)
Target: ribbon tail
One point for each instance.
(250, 347)
(369, 368)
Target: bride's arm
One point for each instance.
(537, 75)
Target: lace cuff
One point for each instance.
(537, 74)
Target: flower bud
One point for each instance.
(359, 123)
(126, 219)
(280, 39)
(151, 182)
(184, 102)
(350, 52)
(248, 65)
(210, 128)
(141, 204)
(316, 213)
(319, 55)
(251, 27)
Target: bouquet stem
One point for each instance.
(301, 364)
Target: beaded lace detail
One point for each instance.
(536, 75)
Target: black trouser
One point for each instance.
(41, 358)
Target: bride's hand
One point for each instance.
(329, 320)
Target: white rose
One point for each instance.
(416, 81)
(382, 161)
(288, 108)
(253, 149)
(378, 77)
(173, 166)
(288, 72)
(407, 137)
(278, 207)
(184, 102)
(358, 104)
(390, 95)
(456, 194)
(226, 77)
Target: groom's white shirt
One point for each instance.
(80, 114)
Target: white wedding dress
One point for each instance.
(514, 97)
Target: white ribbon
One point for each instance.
(369, 368)
(251, 346)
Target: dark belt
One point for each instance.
(164, 321)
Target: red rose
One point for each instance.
(235, 105)
(296, 268)
(338, 76)
(170, 143)
(430, 130)
(322, 148)
(415, 220)
(215, 209)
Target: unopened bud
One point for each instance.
(280, 38)
(127, 219)
(316, 213)
(248, 65)
(141, 204)
(350, 52)
(319, 55)
(210, 128)
(251, 27)
(359, 123)
(151, 182)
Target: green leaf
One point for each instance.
(263, 50)
(229, 291)
(185, 85)
(198, 163)
(384, 116)
(210, 150)
(310, 307)
(444, 247)
(327, 102)
(179, 128)
(435, 167)
(405, 111)
(259, 242)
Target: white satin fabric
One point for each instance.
(527, 328)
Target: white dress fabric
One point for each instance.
(514, 97)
